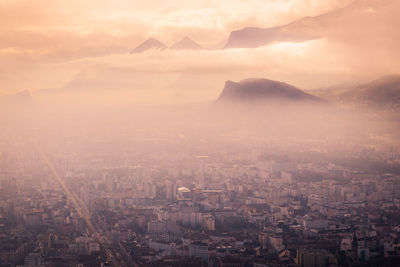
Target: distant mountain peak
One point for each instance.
(382, 93)
(149, 44)
(252, 37)
(388, 79)
(186, 44)
(20, 99)
(304, 29)
(260, 90)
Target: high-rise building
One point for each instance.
(315, 258)
(136, 174)
(170, 190)
(199, 250)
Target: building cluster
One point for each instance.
(236, 209)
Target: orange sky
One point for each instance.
(45, 25)
(44, 44)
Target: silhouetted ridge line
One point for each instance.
(260, 90)
(149, 44)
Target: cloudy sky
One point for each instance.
(49, 43)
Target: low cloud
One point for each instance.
(51, 45)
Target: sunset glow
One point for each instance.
(212, 133)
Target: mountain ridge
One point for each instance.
(258, 90)
(186, 44)
(382, 92)
(303, 29)
(149, 44)
(17, 100)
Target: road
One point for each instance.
(113, 256)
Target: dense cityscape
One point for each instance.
(259, 206)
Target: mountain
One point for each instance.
(307, 28)
(18, 100)
(263, 90)
(252, 37)
(100, 84)
(149, 44)
(186, 44)
(383, 92)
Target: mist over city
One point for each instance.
(200, 133)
